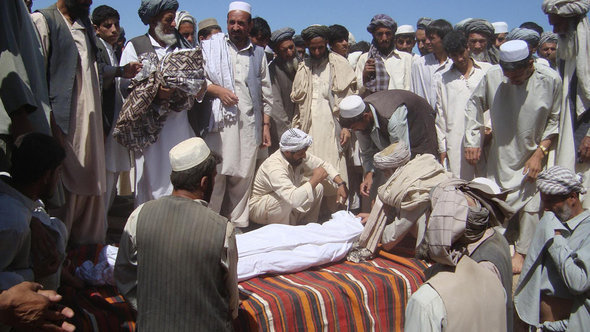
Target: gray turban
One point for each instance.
(298, 40)
(557, 180)
(531, 37)
(479, 25)
(280, 35)
(382, 20)
(423, 22)
(314, 31)
(460, 26)
(151, 8)
(548, 37)
(566, 8)
(294, 140)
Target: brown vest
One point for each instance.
(420, 118)
(180, 279)
(473, 298)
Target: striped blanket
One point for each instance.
(369, 296)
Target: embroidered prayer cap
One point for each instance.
(423, 22)
(152, 8)
(295, 140)
(479, 25)
(514, 51)
(351, 106)
(277, 36)
(530, 36)
(566, 8)
(500, 27)
(314, 31)
(188, 154)
(405, 29)
(558, 180)
(393, 156)
(240, 5)
(208, 22)
(548, 37)
(382, 20)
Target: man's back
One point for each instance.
(181, 281)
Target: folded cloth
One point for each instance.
(142, 118)
(101, 273)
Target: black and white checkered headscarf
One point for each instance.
(557, 180)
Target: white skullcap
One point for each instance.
(294, 140)
(500, 27)
(188, 154)
(240, 5)
(404, 29)
(514, 51)
(351, 106)
(491, 184)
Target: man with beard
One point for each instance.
(383, 67)
(161, 39)
(282, 72)
(320, 83)
(240, 116)
(480, 36)
(552, 292)
(421, 25)
(570, 23)
(69, 44)
(177, 242)
(524, 102)
(452, 93)
(427, 70)
(281, 194)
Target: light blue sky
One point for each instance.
(355, 15)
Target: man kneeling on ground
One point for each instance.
(281, 194)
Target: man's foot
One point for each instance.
(517, 261)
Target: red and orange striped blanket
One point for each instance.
(369, 296)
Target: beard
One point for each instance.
(564, 213)
(320, 60)
(167, 38)
(77, 10)
(290, 66)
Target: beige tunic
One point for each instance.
(398, 66)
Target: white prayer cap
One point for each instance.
(514, 51)
(188, 154)
(240, 5)
(294, 140)
(491, 184)
(500, 27)
(351, 106)
(404, 29)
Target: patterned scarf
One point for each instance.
(380, 81)
(141, 119)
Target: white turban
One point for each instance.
(294, 140)
(392, 157)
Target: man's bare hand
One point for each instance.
(27, 306)
(131, 69)
(584, 149)
(266, 140)
(534, 165)
(369, 70)
(341, 194)
(472, 155)
(165, 93)
(344, 136)
(443, 156)
(366, 184)
(364, 217)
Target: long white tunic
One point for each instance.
(152, 167)
(426, 73)
(398, 66)
(452, 94)
(521, 116)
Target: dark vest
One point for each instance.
(180, 279)
(420, 118)
(63, 60)
(495, 249)
(108, 94)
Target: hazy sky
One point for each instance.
(355, 15)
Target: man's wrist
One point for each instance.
(119, 71)
(342, 183)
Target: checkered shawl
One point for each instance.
(141, 119)
(381, 80)
(558, 180)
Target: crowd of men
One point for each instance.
(469, 146)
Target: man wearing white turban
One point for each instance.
(570, 22)
(524, 101)
(281, 194)
(552, 292)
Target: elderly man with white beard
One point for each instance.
(161, 39)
